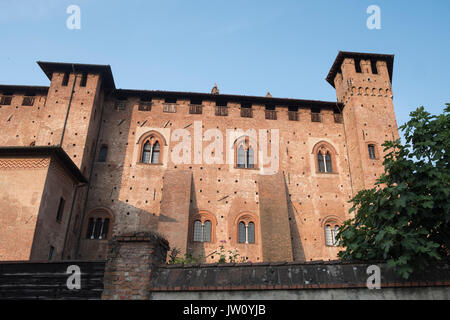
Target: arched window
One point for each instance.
(320, 162)
(202, 231)
(331, 232)
(150, 153)
(251, 232)
(242, 232)
(241, 157)
(328, 165)
(146, 153)
(246, 232)
(155, 154)
(325, 157)
(150, 145)
(98, 225)
(198, 231)
(245, 157)
(98, 228)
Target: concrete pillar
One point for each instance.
(131, 260)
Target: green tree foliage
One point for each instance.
(405, 219)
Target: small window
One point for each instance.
(103, 153)
(316, 115)
(98, 228)
(372, 151)
(65, 80)
(28, 100)
(50, 253)
(198, 231)
(83, 79)
(60, 212)
(5, 100)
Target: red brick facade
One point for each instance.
(104, 131)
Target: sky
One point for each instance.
(247, 47)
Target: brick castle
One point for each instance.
(81, 161)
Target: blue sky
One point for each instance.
(246, 47)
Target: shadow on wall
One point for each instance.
(195, 249)
(297, 246)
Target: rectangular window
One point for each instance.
(83, 79)
(5, 100)
(293, 113)
(271, 115)
(195, 109)
(120, 105)
(338, 118)
(246, 110)
(221, 111)
(103, 153)
(60, 209)
(372, 151)
(50, 253)
(28, 101)
(315, 115)
(145, 106)
(170, 108)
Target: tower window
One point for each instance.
(103, 153)
(151, 152)
(60, 209)
(371, 148)
(358, 65)
(50, 253)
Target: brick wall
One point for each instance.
(131, 261)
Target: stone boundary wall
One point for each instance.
(288, 276)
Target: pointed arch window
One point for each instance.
(245, 158)
(151, 151)
(325, 157)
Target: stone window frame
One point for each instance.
(246, 218)
(331, 221)
(325, 147)
(102, 213)
(247, 142)
(203, 216)
(152, 137)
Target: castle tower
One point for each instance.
(363, 84)
(71, 114)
